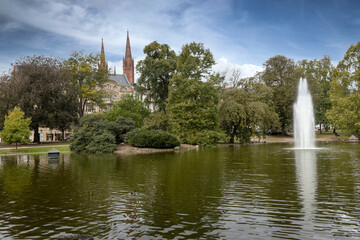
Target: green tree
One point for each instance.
(345, 93)
(41, 87)
(319, 74)
(16, 128)
(128, 107)
(156, 71)
(194, 95)
(281, 76)
(247, 110)
(87, 78)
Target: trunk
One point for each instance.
(283, 131)
(334, 131)
(16, 146)
(320, 128)
(36, 135)
(232, 135)
(63, 134)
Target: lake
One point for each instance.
(239, 192)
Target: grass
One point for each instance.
(34, 149)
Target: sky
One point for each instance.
(240, 33)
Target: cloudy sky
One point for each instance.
(240, 33)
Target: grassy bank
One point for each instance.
(33, 149)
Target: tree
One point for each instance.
(42, 88)
(194, 95)
(6, 97)
(156, 71)
(16, 127)
(281, 76)
(345, 93)
(247, 110)
(129, 107)
(87, 78)
(319, 74)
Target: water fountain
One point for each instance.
(304, 120)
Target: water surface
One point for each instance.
(243, 192)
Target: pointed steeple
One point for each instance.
(128, 49)
(103, 62)
(128, 61)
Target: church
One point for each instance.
(118, 84)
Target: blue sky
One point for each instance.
(239, 33)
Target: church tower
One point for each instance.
(128, 61)
(103, 63)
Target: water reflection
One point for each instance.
(307, 181)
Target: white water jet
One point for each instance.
(304, 120)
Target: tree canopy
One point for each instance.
(87, 78)
(156, 71)
(16, 127)
(194, 94)
(281, 76)
(345, 92)
(247, 110)
(42, 88)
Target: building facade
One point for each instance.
(118, 84)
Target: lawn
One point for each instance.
(35, 149)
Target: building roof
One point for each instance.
(121, 79)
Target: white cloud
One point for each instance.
(247, 70)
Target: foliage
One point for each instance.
(247, 110)
(92, 130)
(152, 139)
(87, 78)
(16, 127)
(207, 138)
(319, 74)
(129, 107)
(157, 121)
(41, 87)
(345, 93)
(120, 127)
(156, 71)
(281, 76)
(193, 94)
(102, 143)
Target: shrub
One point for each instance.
(157, 121)
(120, 128)
(207, 138)
(103, 143)
(152, 139)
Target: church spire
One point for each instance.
(103, 63)
(128, 49)
(128, 61)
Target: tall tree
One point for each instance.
(281, 76)
(88, 78)
(156, 71)
(345, 92)
(16, 127)
(42, 88)
(6, 97)
(319, 75)
(247, 110)
(194, 94)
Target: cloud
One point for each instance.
(247, 70)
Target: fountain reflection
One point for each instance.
(307, 181)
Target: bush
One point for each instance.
(157, 121)
(152, 139)
(120, 128)
(103, 143)
(207, 138)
